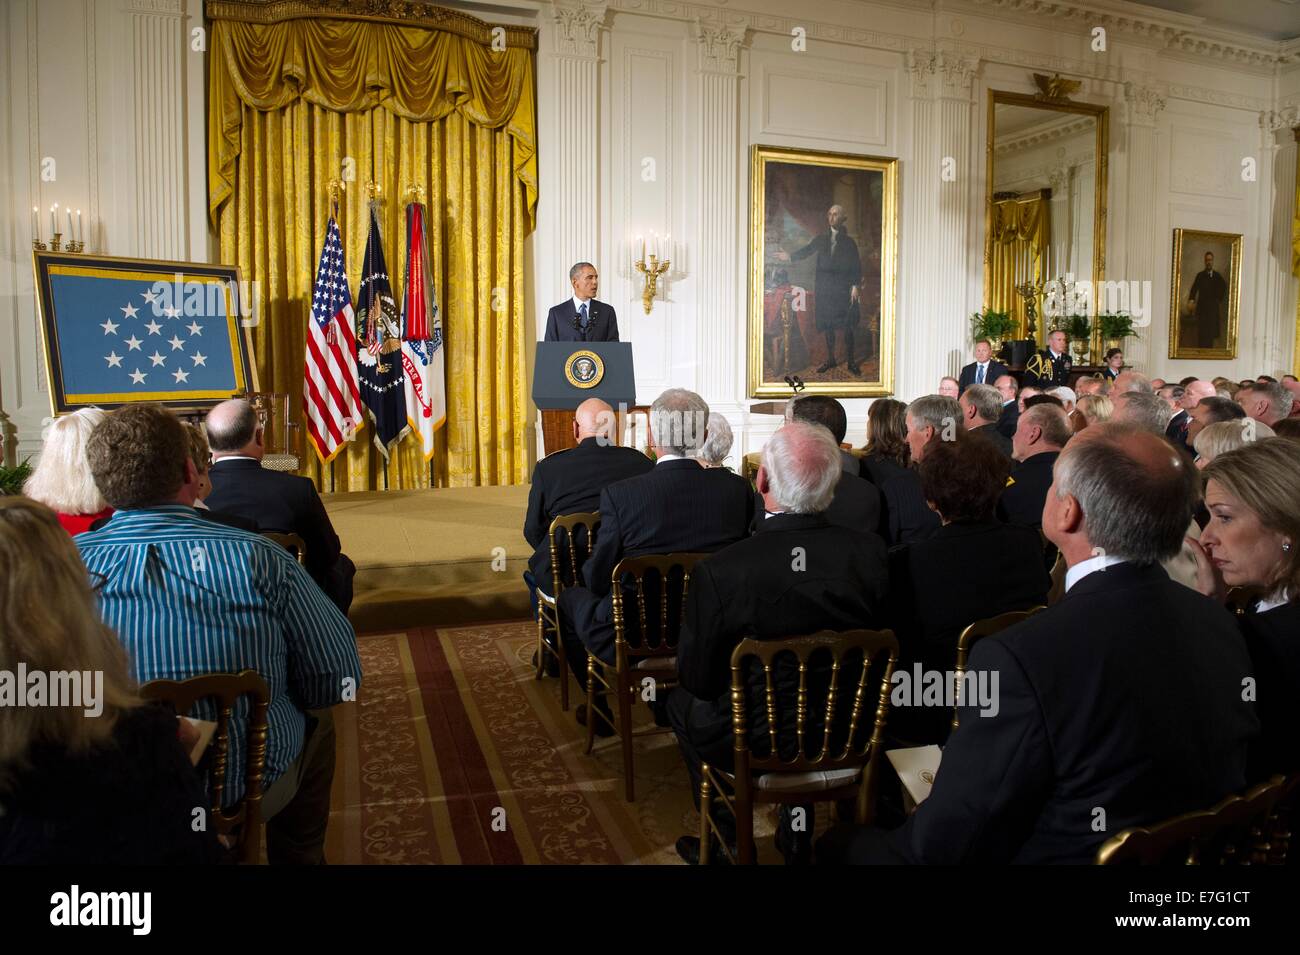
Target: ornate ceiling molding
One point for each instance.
(1059, 129)
(578, 27)
(407, 12)
(720, 45)
(1144, 103)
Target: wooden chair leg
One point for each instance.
(564, 665)
(745, 853)
(706, 800)
(591, 703)
(625, 731)
(541, 644)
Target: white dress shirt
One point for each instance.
(577, 306)
(1085, 567)
(1270, 603)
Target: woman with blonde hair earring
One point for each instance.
(89, 773)
(1252, 542)
(62, 478)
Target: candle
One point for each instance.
(81, 236)
(54, 222)
(36, 224)
(71, 234)
(668, 247)
(641, 239)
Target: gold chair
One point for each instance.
(649, 653)
(976, 632)
(1212, 835)
(817, 772)
(290, 542)
(243, 823)
(1281, 821)
(564, 573)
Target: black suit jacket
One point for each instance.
(1022, 501)
(994, 371)
(1142, 718)
(967, 571)
(836, 274)
(761, 587)
(1009, 418)
(1273, 640)
(1177, 429)
(856, 504)
(1056, 371)
(904, 515)
(568, 482)
(277, 501)
(990, 432)
(602, 325)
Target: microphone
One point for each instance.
(798, 384)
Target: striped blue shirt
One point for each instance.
(188, 597)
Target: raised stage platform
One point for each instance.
(425, 558)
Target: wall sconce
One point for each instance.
(76, 238)
(654, 258)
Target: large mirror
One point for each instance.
(1046, 204)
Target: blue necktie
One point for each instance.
(582, 316)
(979, 374)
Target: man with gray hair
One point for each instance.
(582, 318)
(678, 506)
(1040, 435)
(981, 407)
(1144, 409)
(798, 574)
(1266, 401)
(717, 445)
(856, 504)
(1143, 716)
(930, 417)
(1131, 381)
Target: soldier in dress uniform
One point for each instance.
(1050, 368)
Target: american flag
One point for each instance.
(330, 395)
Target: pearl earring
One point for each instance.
(1286, 548)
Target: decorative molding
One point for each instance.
(159, 7)
(578, 25)
(1144, 103)
(1058, 129)
(955, 74)
(1272, 120)
(719, 46)
(407, 12)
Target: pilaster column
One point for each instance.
(158, 79)
(721, 263)
(1276, 334)
(1143, 106)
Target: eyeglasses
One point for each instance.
(97, 580)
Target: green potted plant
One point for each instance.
(1079, 330)
(1115, 327)
(13, 479)
(993, 325)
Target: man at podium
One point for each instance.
(582, 318)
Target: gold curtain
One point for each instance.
(404, 106)
(1295, 257)
(1021, 231)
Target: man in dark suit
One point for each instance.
(1050, 368)
(1176, 430)
(984, 370)
(1040, 435)
(1089, 729)
(981, 406)
(835, 580)
(1010, 413)
(1208, 297)
(582, 318)
(570, 481)
(273, 500)
(676, 507)
(856, 504)
(838, 275)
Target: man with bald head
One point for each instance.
(1041, 433)
(1193, 392)
(274, 500)
(570, 481)
(1125, 696)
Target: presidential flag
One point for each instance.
(331, 397)
(379, 351)
(422, 351)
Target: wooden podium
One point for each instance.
(558, 388)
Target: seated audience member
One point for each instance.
(1253, 541)
(1143, 409)
(856, 503)
(1131, 381)
(1091, 386)
(1266, 379)
(1095, 409)
(1067, 396)
(1008, 390)
(1268, 402)
(1027, 392)
(273, 500)
(1175, 396)
(677, 506)
(201, 455)
(1195, 391)
(1216, 439)
(188, 597)
(752, 589)
(1143, 716)
(1040, 436)
(713, 454)
(981, 406)
(885, 452)
(570, 481)
(1210, 411)
(984, 370)
(1044, 400)
(928, 419)
(973, 567)
(1226, 388)
(949, 387)
(61, 480)
(1293, 386)
(886, 463)
(1288, 428)
(1114, 364)
(1157, 384)
(101, 782)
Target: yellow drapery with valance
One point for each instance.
(1021, 233)
(295, 104)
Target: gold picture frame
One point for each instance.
(1192, 334)
(792, 195)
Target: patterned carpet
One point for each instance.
(455, 754)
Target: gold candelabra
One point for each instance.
(1030, 291)
(651, 268)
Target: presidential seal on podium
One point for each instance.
(584, 369)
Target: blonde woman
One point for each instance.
(1224, 436)
(96, 776)
(1096, 409)
(62, 479)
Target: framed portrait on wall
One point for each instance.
(823, 247)
(1205, 294)
(117, 331)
